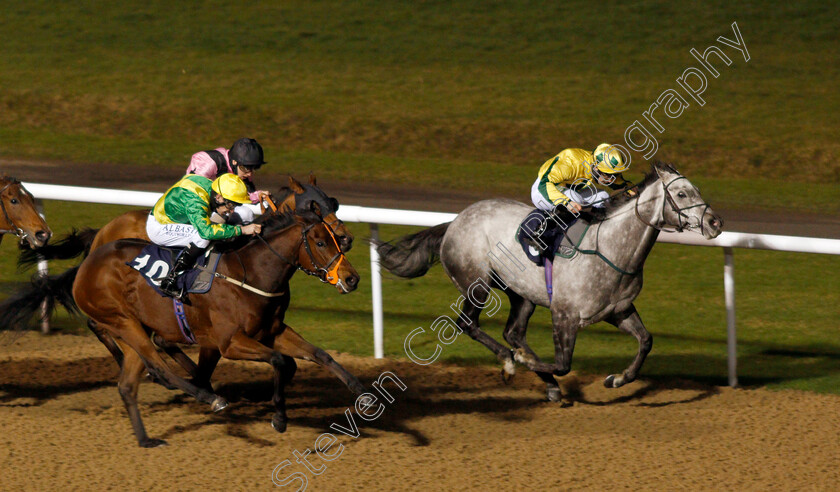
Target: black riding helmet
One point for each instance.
(246, 152)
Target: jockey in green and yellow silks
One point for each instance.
(181, 217)
(569, 178)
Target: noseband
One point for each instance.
(669, 200)
(323, 273)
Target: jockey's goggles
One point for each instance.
(602, 177)
(248, 168)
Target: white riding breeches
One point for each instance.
(180, 235)
(588, 196)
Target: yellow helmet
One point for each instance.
(608, 159)
(231, 187)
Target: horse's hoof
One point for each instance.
(612, 382)
(507, 377)
(219, 404)
(279, 423)
(508, 371)
(553, 394)
(152, 443)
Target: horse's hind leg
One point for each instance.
(468, 322)
(630, 322)
(106, 340)
(283, 374)
(131, 372)
(133, 334)
(520, 312)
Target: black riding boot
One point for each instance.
(555, 228)
(184, 263)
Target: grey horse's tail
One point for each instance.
(411, 256)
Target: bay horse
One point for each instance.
(229, 318)
(479, 251)
(20, 217)
(132, 224)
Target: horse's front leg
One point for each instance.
(242, 347)
(520, 312)
(208, 358)
(288, 342)
(565, 335)
(630, 322)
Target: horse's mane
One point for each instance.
(276, 222)
(282, 194)
(272, 224)
(5, 178)
(619, 199)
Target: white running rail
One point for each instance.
(376, 216)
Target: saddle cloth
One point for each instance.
(563, 244)
(154, 263)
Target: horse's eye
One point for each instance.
(14, 201)
(681, 194)
(321, 244)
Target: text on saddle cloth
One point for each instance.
(154, 263)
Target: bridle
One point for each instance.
(323, 273)
(17, 231)
(669, 200)
(283, 207)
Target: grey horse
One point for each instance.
(479, 251)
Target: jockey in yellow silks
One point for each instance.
(568, 179)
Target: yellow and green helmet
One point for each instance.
(232, 188)
(608, 159)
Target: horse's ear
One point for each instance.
(664, 168)
(314, 207)
(295, 185)
(660, 168)
(312, 179)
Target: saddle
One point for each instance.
(561, 242)
(154, 263)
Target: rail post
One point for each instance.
(376, 294)
(43, 270)
(729, 294)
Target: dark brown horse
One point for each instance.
(237, 322)
(18, 215)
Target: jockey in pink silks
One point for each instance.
(244, 158)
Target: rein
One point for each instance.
(598, 253)
(323, 273)
(668, 200)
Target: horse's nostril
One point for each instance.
(352, 280)
(42, 235)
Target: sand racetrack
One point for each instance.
(63, 426)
